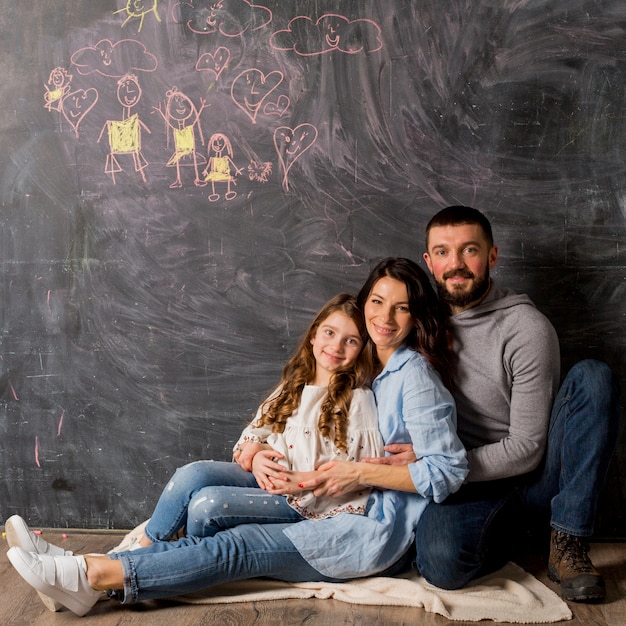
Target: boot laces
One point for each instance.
(574, 552)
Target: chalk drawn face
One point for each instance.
(137, 8)
(128, 92)
(205, 19)
(332, 26)
(179, 107)
(218, 143)
(291, 144)
(77, 104)
(295, 143)
(211, 19)
(215, 62)
(59, 78)
(250, 89)
(252, 99)
(105, 49)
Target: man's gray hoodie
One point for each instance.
(507, 377)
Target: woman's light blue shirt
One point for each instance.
(413, 407)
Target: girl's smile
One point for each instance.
(336, 344)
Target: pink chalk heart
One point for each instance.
(277, 108)
(291, 144)
(215, 62)
(77, 104)
(251, 88)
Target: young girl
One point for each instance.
(320, 412)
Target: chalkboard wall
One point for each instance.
(184, 184)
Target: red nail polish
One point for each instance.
(301, 485)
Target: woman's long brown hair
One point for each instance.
(300, 370)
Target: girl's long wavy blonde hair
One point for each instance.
(300, 370)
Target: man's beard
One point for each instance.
(462, 299)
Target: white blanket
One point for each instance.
(508, 595)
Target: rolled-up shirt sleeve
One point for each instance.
(428, 421)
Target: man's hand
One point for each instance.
(401, 454)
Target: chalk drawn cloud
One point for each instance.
(331, 32)
(114, 59)
(231, 18)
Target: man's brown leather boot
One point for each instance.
(569, 564)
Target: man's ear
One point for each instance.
(428, 263)
(493, 257)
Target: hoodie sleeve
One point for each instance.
(529, 362)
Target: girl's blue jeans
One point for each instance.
(473, 532)
(207, 497)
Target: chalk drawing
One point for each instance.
(125, 135)
(291, 144)
(114, 59)
(329, 33)
(218, 169)
(73, 105)
(214, 62)
(231, 18)
(183, 119)
(251, 88)
(137, 9)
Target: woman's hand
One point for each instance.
(288, 482)
(401, 454)
(266, 470)
(246, 452)
(335, 478)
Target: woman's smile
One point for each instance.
(387, 316)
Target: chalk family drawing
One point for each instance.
(259, 93)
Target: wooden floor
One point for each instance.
(20, 605)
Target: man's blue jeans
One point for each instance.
(207, 497)
(472, 532)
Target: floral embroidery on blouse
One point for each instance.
(304, 448)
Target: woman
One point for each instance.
(408, 341)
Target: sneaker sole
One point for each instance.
(66, 599)
(18, 535)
